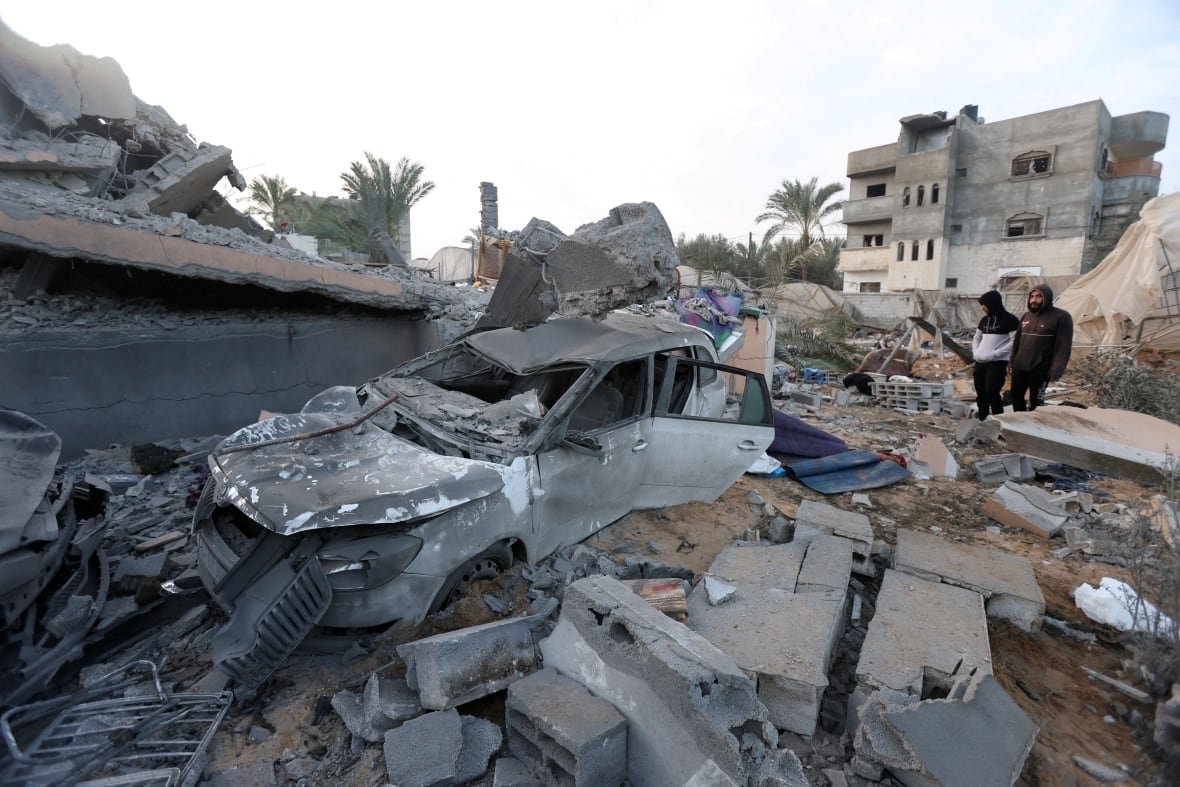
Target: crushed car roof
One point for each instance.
(618, 337)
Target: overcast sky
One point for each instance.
(571, 109)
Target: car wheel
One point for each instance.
(486, 565)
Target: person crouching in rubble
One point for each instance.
(992, 349)
(1040, 350)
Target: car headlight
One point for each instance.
(363, 563)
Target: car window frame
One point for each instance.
(663, 400)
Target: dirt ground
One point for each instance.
(1042, 671)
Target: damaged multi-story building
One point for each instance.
(958, 204)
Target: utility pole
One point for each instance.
(750, 259)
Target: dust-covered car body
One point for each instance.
(504, 445)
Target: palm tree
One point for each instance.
(801, 207)
(820, 262)
(273, 198)
(382, 195)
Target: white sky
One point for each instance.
(570, 109)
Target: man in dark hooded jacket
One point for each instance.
(992, 349)
(1040, 351)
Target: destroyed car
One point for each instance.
(377, 505)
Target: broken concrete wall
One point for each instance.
(687, 704)
(628, 257)
(104, 387)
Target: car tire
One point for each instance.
(488, 564)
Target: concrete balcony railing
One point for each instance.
(879, 159)
(858, 211)
(868, 258)
(1139, 166)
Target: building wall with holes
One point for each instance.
(976, 268)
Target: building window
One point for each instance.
(930, 249)
(961, 172)
(875, 190)
(934, 194)
(1023, 225)
(874, 240)
(1028, 165)
(952, 283)
(870, 286)
(1095, 224)
(956, 228)
(1105, 162)
(901, 251)
(905, 197)
(921, 195)
(914, 253)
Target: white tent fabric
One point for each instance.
(450, 263)
(1131, 298)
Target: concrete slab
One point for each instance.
(827, 565)
(425, 750)
(922, 634)
(143, 243)
(1120, 442)
(1007, 582)
(982, 740)
(687, 704)
(785, 639)
(813, 518)
(563, 734)
(1026, 507)
(455, 667)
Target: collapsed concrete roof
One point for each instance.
(90, 172)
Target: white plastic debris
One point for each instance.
(764, 465)
(1116, 603)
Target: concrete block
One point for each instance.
(807, 398)
(687, 704)
(481, 739)
(563, 734)
(1007, 582)
(387, 702)
(785, 639)
(1027, 507)
(998, 468)
(510, 772)
(781, 768)
(923, 634)
(460, 666)
(813, 517)
(981, 740)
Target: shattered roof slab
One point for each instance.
(159, 245)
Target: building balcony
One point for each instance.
(868, 258)
(1134, 167)
(871, 160)
(859, 211)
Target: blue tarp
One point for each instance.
(846, 472)
(794, 438)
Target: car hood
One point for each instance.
(358, 475)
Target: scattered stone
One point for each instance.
(425, 750)
(718, 592)
(1026, 507)
(861, 499)
(258, 734)
(1103, 773)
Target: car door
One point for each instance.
(695, 453)
(591, 478)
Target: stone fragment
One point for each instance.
(718, 592)
(426, 750)
(511, 772)
(460, 666)
(1027, 507)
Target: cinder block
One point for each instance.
(460, 666)
(687, 704)
(563, 734)
(1007, 582)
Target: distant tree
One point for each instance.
(381, 195)
(820, 263)
(713, 254)
(272, 198)
(800, 208)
